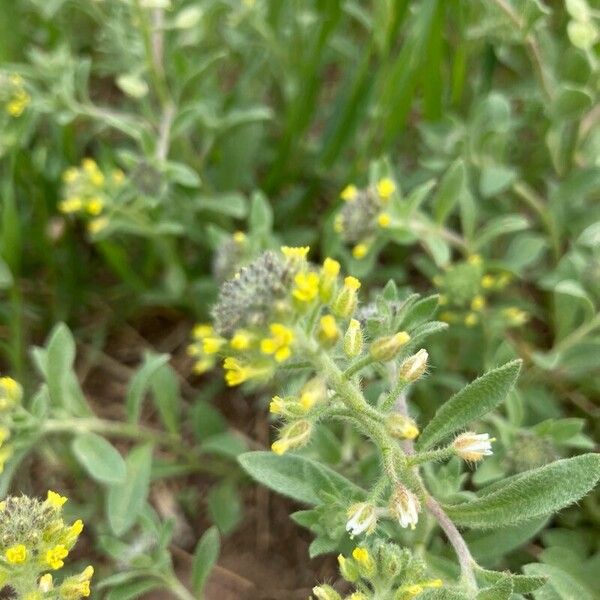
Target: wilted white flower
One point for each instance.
(473, 446)
(405, 507)
(362, 517)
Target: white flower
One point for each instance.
(362, 517)
(405, 507)
(473, 446)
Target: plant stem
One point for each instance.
(456, 539)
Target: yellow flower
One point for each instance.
(474, 259)
(294, 435)
(307, 286)
(295, 253)
(11, 393)
(54, 557)
(239, 237)
(279, 343)
(74, 532)
(346, 301)
(331, 267)
(236, 372)
(202, 330)
(97, 225)
(385, 188)
(277, 405)
(471, 320)
(360, 251)
(16, 555)
(70, 205)
(241, 340)
(78, 586)
(515, 316)
(349, 193)
(478, 302)
(55, 500)
(384, 220)
(94, 206)
(212, 345)
(487, 281)
(364, 560)
(70, 175)
(203, 365)
(338, 223)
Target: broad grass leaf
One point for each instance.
(470, 403)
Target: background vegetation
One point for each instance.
(136, 138)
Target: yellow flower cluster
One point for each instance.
(268, 338)
(366, 212)
(13, 95)
(34, 539)
(88, 192)
(11, 394)
(464, 290)
(387, 562)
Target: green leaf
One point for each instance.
(298, 477)
(495, 179)
(260, 220)
(99, 458)
(132, 589)
(449, 192)
(531, 494)
(225, 506)
(126, 500)
(443, 594)
(166, 396)
(522, 584)
(140, 383)
(472, 402)
(205, 558)
(565, 586)
(501, 590)
(570, 103)
(500, 226)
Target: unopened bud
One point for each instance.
(325, 592)
(386, 348)
(328, 332)
(353, 339)
(414, 366)
(294, 435)
(348, 569)
(329, 274)
(313, 392)
(365, 562)
(402, 427)
(346, 301)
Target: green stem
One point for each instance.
(431, 456)
(358, 365)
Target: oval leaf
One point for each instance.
(99, 458)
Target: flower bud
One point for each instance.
(285, 407)
(392, 561)
(328, 332)
(329, 274)
(402, 427)
(365, 562)
(472, 446)
(386, 348)
(362, 517)
(405, 506)
(414, 366)
(313, 392)
(346, 301)
(348, 569)
(325, 592)
(353, 339)
(294, 435)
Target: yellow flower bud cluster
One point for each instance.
(14, 98)
(89, 192)
(365, 213)
(465, 287)
(34, 542)
(404, 574)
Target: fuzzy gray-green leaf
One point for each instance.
(472, 402)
